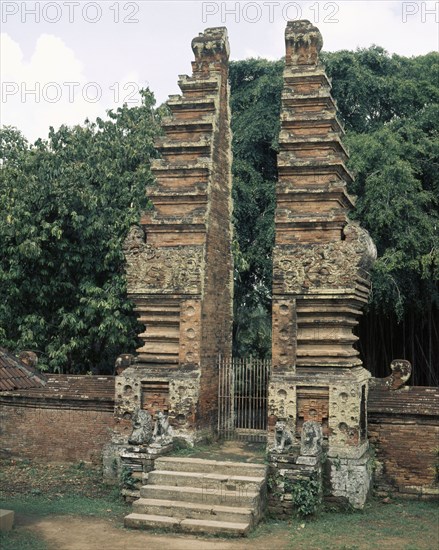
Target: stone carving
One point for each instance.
(304, 43)
(335, 264)
(166, 269)
(163, 432)
(123, 362)
(311, 439)
(363, 244)
(29, 358)
(401, 372)
(210, 47)
(142, 428)
(283, 437)
(135, 240)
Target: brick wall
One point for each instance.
(404, 429)
(47, 425)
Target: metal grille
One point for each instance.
(242, 398)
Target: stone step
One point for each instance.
(200, 496)
(244, 498)
(177, 464)
(192, 510)
(149, 521)
(229, 483)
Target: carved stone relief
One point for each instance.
(335, 264)
(157, 270)
(283, 438)
(284, 334)
(311, 439)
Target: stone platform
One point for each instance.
(6, 520)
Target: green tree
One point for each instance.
(373, 88)
(397, 184)
(66, 205)
(255, 104)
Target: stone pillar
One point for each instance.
(179, 259)
(320, 272)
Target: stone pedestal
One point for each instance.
(299, 464)
(129, 465)
(6, 520)
(350, 479)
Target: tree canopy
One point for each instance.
(66, 204)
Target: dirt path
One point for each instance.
(73, 533)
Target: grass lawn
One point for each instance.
(399, 525)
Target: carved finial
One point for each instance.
(303, 43)
(211, 46)
(401, 372)
(29, 358)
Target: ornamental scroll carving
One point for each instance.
(156, 270)
(334, 265)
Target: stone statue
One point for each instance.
(123, 362)
(283, 437)
(142, 428)
(311, 439)
(163, 432)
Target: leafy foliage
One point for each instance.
(391, 106)
(373, 88)
(66, 205)
(397, 183)
(255, 104)
(307, 496)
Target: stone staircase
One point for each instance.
(192, 495)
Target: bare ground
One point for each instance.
(81, 533)
(74, 533)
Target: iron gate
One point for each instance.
(242, 398)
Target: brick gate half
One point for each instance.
(179, 258)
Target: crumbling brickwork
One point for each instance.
(179, 259)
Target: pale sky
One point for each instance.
(63, 61)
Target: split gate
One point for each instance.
(243, 398)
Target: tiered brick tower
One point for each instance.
(179, 259)
(320, 265)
